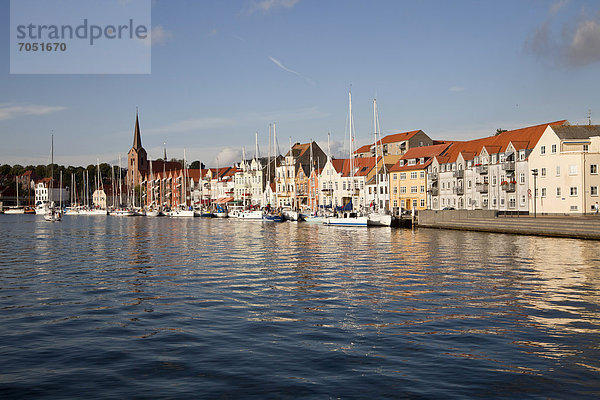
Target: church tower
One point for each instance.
(137, 158)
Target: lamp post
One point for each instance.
(534, 172)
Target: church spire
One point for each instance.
(137, 137)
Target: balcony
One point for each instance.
(508, 166)
(481, 187)
(459, 174)
(432, 176)
(459, 190)
(482, 169)
(433, 191)
(508, 187)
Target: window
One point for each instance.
(543, 150)
(422, 189)
(494, 159)
(543, 192)
(522, 199)
(469, 184)
(403, 176)
(558, 192)
(414, 204)
(553, 149)
(594, 190)
(395, 176)
(402, 204)
(558, 170)
(395, 189)
(502, 201)
(594, 169)
(422, 174)
(573, 191)
(403, 189)
(413, 189)
(522, 155)
(422, 203)
(572, 169)
(494, 202)
(395, 203)
(522, 178)
(512, 202)
(413, 175)
(543, 172)
(586, 147)
(494, 180)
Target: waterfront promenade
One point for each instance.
(578, 227)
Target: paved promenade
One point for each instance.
(579, 227)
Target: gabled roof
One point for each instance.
(526, 138)
(338, 164)
(364, 149)
(576, 131)
(406, 167)
(399, 137)
(425, 151)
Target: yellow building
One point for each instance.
(408, 178)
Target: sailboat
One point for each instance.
(152, 210)
(15, 209)
(379, 216)
(348, 216)
(52, 214)
(183, 210)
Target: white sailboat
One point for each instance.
(349, 217)
(379, 216)
(183, 210)
(15, 209)
(152, 210)
(52, 214)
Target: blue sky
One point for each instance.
(222, 70)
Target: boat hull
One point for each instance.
(377, 219)
(349, 221)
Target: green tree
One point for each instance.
(499, 131)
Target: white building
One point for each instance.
(44, 193)
(566, 159)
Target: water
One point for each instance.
(109, 307)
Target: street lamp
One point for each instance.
(534, 172)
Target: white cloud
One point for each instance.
(226, 157)
(556, 7)
(270, 5)
(577, 45)
(159, 35)
(12, 111)
(283, 67)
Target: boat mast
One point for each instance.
(376, 155)
(51, 189)
(351, 139)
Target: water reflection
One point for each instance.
(332, 308)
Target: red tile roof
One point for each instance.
(523, 138)
(399, 137)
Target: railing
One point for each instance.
(459, 173)
(481, 187)
(432, 176)
(482, 169)
(508, 187)
(508, 166)
(459, 190)
(433, 191)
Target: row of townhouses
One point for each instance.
(549, 168)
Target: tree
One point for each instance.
(499, 131)
(197, 165)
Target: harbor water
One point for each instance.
(116, 307)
